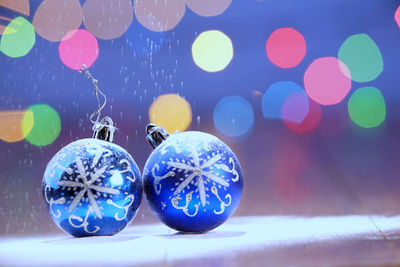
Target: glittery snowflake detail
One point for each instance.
(84, 184)
(85, 180)
(198, 173)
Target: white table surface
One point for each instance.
(273, 240)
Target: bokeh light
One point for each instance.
(18, 38)
(212, 51)
(295, 107)
(159, 15)
(362, 57)
(107, 19)
(277, 104)
(20, 6)
(54, 18)
(327, 81)
(286, 47)
(367, 107)
(2, 28)
(208, 8)
(310, 122)
(233, 116)
(11, 125)
(45, 126)
(78, 47)
(143, 41)
(172, 112)
(397, 16)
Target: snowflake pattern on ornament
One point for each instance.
(199, 172)
(89, 180)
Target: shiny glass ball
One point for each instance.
(193, 182)
(92, 187)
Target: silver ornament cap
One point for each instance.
(104, 130)
(155, 135)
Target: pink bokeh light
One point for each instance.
(397, 16)
(78, 47)
(327, 81)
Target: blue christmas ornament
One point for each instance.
(192, 180)
(92, 187)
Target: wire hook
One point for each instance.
(104, 128)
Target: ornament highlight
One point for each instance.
(192, 180)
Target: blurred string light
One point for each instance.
(362, 57)
(78, 47)
(310, 122)
(41, 125)
(18, 38)
(11, 125)
(286, 47)
(233, 116)
(285, 100)
(20, 6)
(327, 81)
(3, 27)
(212, 51)
(107, 19)
(397, 16)
(143, 41)
(367, 107)
(159, 15)
(172, 112)
(54, 18)
(208, 8)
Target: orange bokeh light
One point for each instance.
(11, 126)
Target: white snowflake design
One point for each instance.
(198, 173)
(88, 187)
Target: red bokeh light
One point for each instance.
(311, 121)
(286, 47)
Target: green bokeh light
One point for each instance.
(46, 125)
(18, 38)
(362, 56)
(367, 107)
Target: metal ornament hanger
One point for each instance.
(102, 129)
